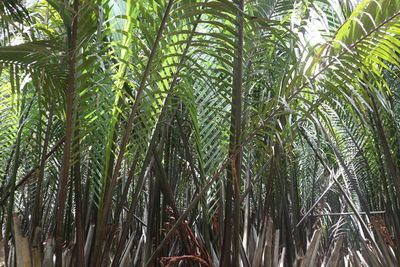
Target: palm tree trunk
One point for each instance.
(232, 217)
(12, 193)
(153, 220)
(76, 173)
(64, 175)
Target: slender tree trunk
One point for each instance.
(153, 220)
(237, 117)
(64, 175)
(234, 170)
(12, 193)
(247, 206)
(76, 173)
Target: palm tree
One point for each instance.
(200, 132)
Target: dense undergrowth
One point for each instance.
(199, 133)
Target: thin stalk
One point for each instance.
(13, 178)
(38, 196)
(153, 235)
(232, 217)
(64, 175)
(76, 173)
(237, 122)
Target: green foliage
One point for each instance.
(320, 98)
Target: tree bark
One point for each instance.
(64, 175)
(232, 216)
